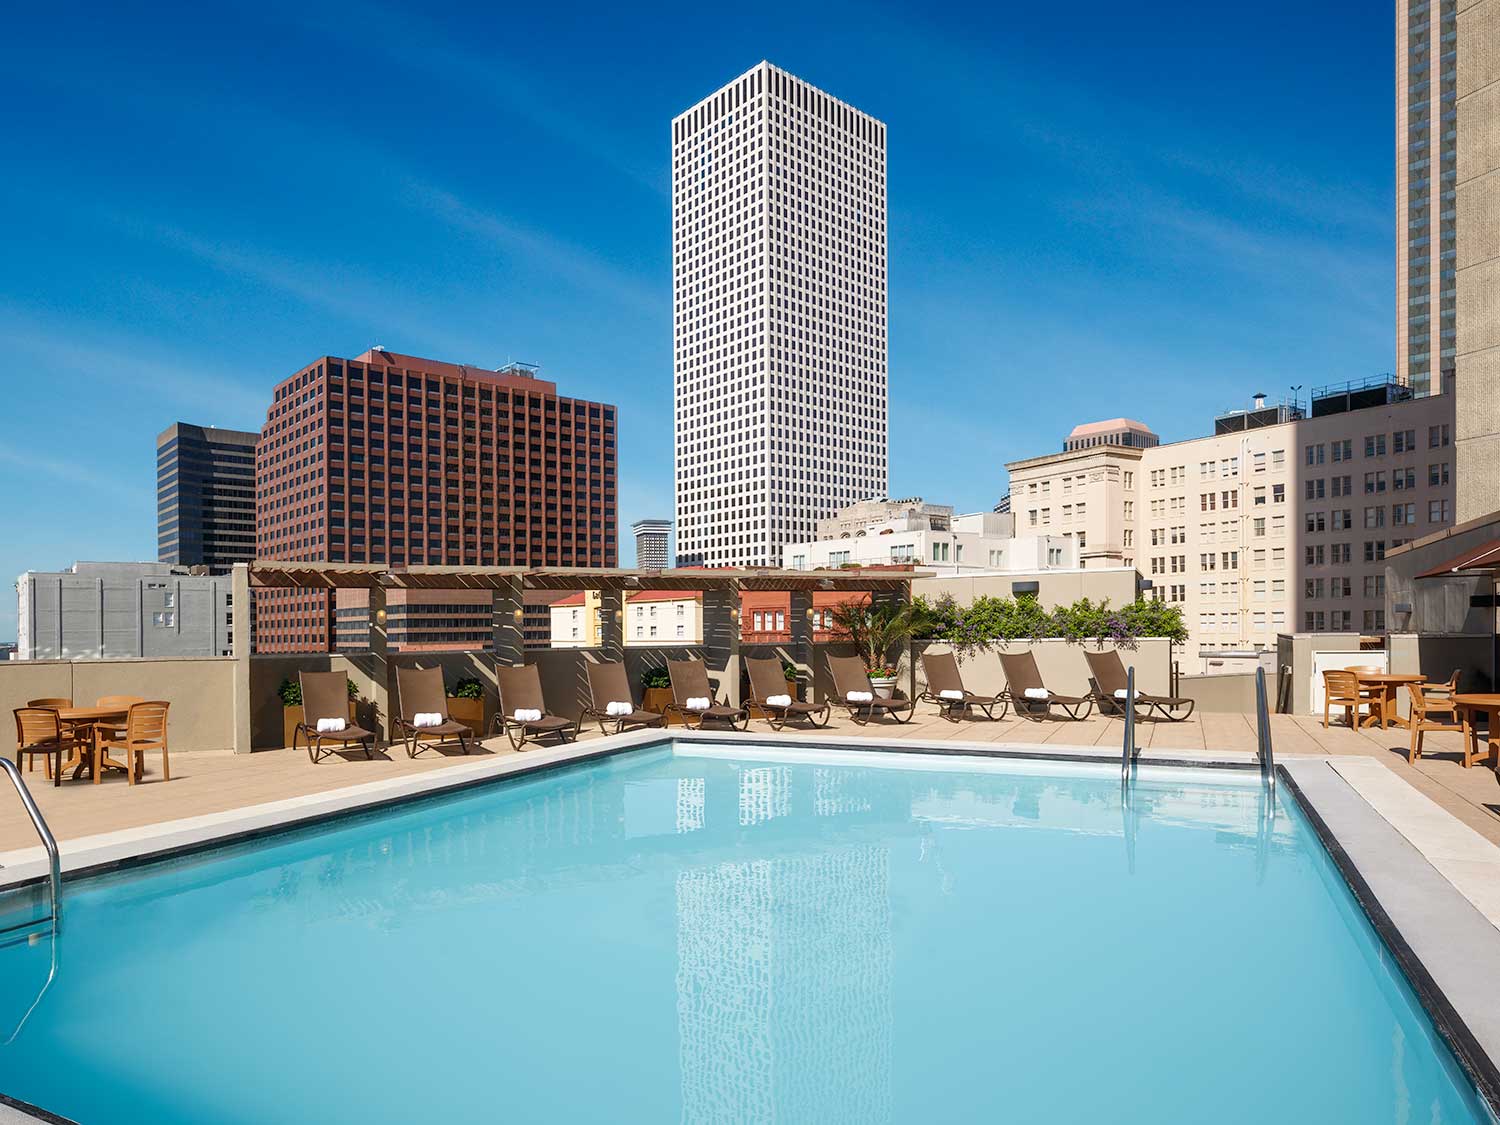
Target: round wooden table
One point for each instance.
(1470, 704)
(93, 719)
(1386, 684)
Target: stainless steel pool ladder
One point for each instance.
(1263, 733)
(39, 822)
(1130, 750)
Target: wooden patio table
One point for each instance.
(93, 719)
(1386, 684)
(1470, 704)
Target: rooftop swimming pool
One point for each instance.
(734, 932)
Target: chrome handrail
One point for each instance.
(39, 822)
(1263, 733)
(1130, 750)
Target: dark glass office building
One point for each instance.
(205, 496)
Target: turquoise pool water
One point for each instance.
(711, 935)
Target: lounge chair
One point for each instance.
(520, 698)
(1031, 698)
(325, 699)
(1110, 685)
(421, 693)
(768, 692)
(690, 688)
(945, 687)
(608, 685)
(851, 679)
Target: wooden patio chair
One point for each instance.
(851, 679)
(39, 734)
(325, 697)
(422, 696)
(520, 698)
(609, 686)
(1111, 684)
(1341, 689)
(690, 690)
(1033, 699)
(945, 687)
(1431, 710)
(145, 729)
(124, 702)
(768, 692)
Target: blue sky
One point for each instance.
(1121, 212)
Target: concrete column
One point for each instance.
(239, 648)
(800, 651)
(382, 670)
(721, 641)
(507, 621)
(611, 624)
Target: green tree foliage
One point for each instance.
(989, 619)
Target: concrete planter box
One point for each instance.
(470, 712)
(291, 717)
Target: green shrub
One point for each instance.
(467, 687)
(989, 619)
(291, 692)
(655, 678)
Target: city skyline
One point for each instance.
(138, 277)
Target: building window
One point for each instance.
(1438, 511)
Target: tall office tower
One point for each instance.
(1426, 178)
(205, 496)
(393, 459)
(779, 316)
(1476, 430)
(651, 538)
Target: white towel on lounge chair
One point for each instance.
(699, 703)
(1037, 693)
(950, 693)
(778, 700)
(427, 719)
(527, 715)
(860, 696)
(617, 708)
(1121, 694)
(331, 726)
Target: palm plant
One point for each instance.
(876, 628)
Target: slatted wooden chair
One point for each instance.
(39, 734)
(145, 729)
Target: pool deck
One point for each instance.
(205, 783)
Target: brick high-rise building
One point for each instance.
(394, 459)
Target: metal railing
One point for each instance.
(1263, 733)
(39, 822)
(1130, 750)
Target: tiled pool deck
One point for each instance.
(205, 783)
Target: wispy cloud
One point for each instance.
(554, 255)
(74, 472)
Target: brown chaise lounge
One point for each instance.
(690, 681)
(609, 684)
(849, 676)
(421, 692)
(1108, 671)
(767, 681)
(945, 687)
(325, 695)
(521, 690)
(1022, 677)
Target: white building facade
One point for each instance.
(779, 316)
(969, 544)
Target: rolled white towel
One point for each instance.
(617, 708)
(1037, 693)
(699, 703)
(779, 700)
(427, 719)
(331, 726)
(859, 696)
(950, 693)
(526, 715)
(1121, 694)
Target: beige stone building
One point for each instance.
(1477, 422)
(651, 618)
(1278, 522)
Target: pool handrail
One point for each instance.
(1263, 749)
(39, 822)
(1130, 750)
